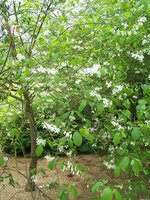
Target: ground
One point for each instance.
(93, 170)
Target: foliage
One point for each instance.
(85, 66)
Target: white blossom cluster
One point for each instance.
(20, 57)
(116, 122)
(92, 70)
(72, 118)
(49, 158)
(51, 71)
(51, 127)
(94, 93)
(108, 84)
(68, 134)
(142, 20)
(107, 102)
(72, 168)
(106, 135)
(109, 164)
(132, 31)
(146, 39)
(138, 56)
(41, 141)
(78, 81)
(34, 178)
(117, 89)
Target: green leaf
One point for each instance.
(117, 171)
(51, 164)
(2, 161)
(135, 133)
(14, 132)
(107, 194)
(127, 113)
(57, 79)
(96, 187)
(50, 143)
(100, 107)
(117, 195)
(73, 191)
(136, 167)
(124, 163)
(39, 150)
(63, 195)
(85, 133)
(70, 142)
(77, 139)
(116, 139)
(82, 105)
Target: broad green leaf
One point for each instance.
(100, 107)
(124, 163)
(117, 195)
(77, 139)
(136, 167)
(51, 164)
(61, 164)
(50, 143)
(135, 133)
(85, 133)
(82, 105)
(73, 191)
(2, 161)
(116, 139)
(96, 187)
(127, 113)
(39, 150)
(107, 194)
(117, 171)
(70, 142)
(63, 195)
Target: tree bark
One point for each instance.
(30, 186)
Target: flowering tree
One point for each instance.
(82, 69)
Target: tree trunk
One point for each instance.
(33, 133)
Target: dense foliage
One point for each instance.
(85, 67)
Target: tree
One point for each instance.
(88, 62)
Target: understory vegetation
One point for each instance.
(74, 78)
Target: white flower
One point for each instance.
(109, 165)
(138, 56)
(132, 143)
(5, 158)
(69, 154)
(108, 84)
(142, 20)
(125, 25)
(51, 127)
(144, 42)
(34, 178)
(49, 158)
(93, 93)
(78, 81)
(92, 71)
(68, 134)
(40, 141)
(72, 118)
(107, 103)
(117, 89)
(20, 57)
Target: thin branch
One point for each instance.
(16, 16)
(6, 59)
(34, 41)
